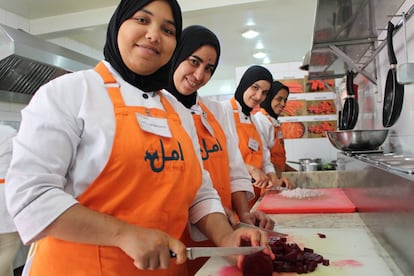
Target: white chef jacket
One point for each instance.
(6, 135)
(64, 142)
(267, 128)
(240, 179)
(267, 165)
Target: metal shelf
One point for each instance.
(349, 41)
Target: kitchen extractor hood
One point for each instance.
(346, 36)
(27, 62)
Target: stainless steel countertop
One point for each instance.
(333, 221)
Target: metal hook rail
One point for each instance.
(400, 23)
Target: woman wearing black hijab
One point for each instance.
(269, 126)
(193, 65)
(105, 172)
(193, 38)
(251, 92)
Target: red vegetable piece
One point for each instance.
(291, 258)
(257, 264)
(318, 258)
(322, 236)
(310, 250)
(325, 262)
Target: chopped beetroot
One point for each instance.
(318, 258)
(257, 264)
(322, 236)
(310, 250)
(291, 258)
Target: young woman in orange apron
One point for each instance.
(193, 66)
(269, 126)
(113, 177)
(250, 92)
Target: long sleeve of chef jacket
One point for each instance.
(266, 128)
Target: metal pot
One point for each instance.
(308, 164)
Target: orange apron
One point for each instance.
(2, 181)
(216, 161)
(134, 186)
(214, 153)
(246, 133)
(277, 152)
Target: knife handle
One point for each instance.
(189, 254)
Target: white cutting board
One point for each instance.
(350, 251)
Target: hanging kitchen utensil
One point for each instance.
(348, 109)
(339, 119)
(394, 92)
(353, 118)
(405, 71)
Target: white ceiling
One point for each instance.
(285, 26)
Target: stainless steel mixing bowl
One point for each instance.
(357, 140)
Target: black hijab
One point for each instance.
(274, 90)
(253, 73)
(193, 37)
(125, 10)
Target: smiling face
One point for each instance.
(279, 101)
(256, 93)
(147, 40)
(195, 71)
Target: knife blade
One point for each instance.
(197, 252)
(271, 232)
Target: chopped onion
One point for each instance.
(301, 193)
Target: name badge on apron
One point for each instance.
(253, 144)
(206, 124)
(280, 134)
(158, 126)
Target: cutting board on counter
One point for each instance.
(351, 252)
(331, 200)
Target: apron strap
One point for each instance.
(111, 84)
(104, 72)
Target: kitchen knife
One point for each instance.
(197, 252)
(271, 232)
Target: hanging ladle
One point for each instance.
(405, 71)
